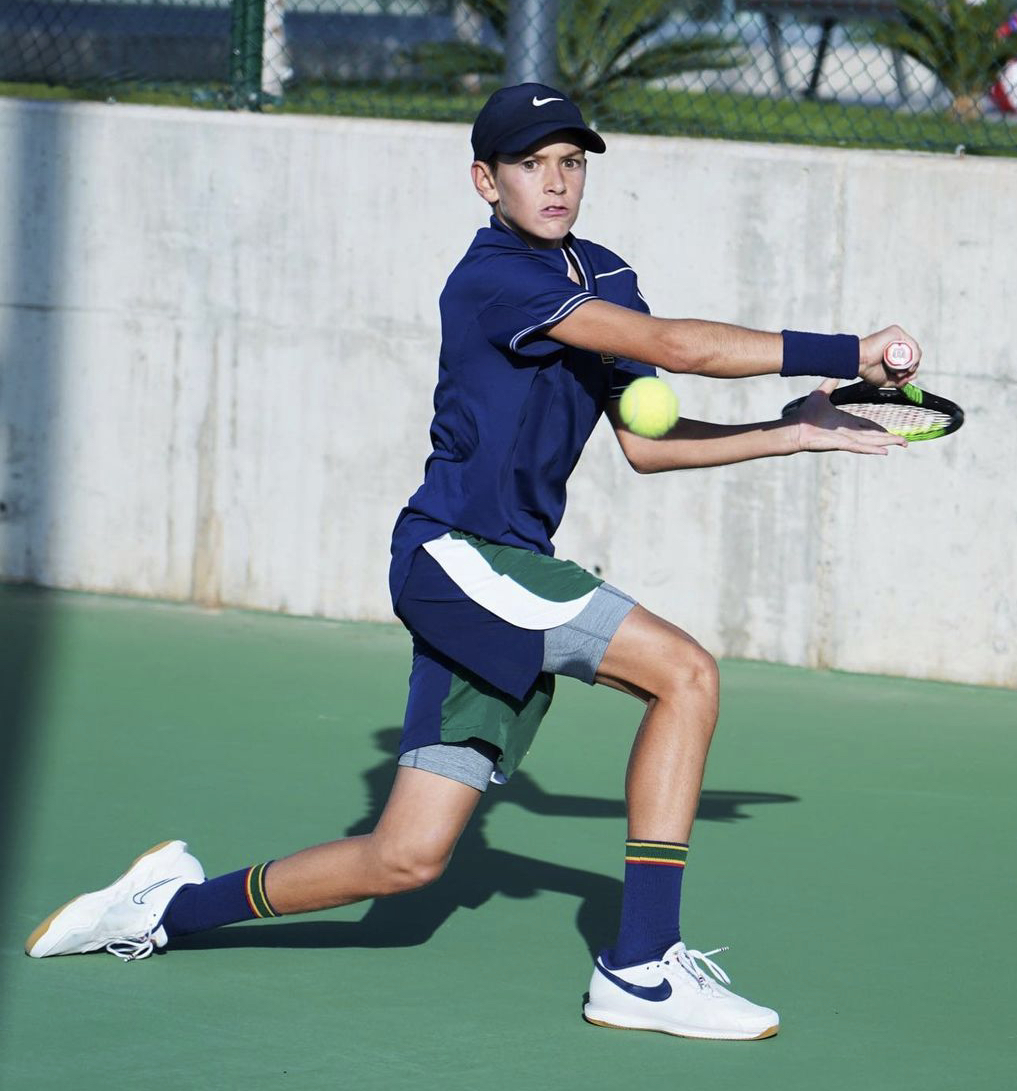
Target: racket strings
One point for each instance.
(900, 419)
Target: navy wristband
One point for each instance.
(832, 356)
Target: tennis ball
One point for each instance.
(649, 407)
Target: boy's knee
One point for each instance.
(693, 666)
(406, 868)
(704, 668)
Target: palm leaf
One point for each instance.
(956, 40)
(595, 35)
(675, 58)
(601, 44)
(913, 43)
(602, 32)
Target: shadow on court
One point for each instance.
(477, 872)
(25, 620)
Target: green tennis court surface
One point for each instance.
(855, 848)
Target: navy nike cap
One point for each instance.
(515, 118)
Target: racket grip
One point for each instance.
(898, 356)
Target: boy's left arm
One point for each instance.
(817, 426)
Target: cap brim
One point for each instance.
(532, 135)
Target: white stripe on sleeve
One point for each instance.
(565, 309)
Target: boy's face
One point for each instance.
(537, 194)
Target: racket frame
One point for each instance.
(863, 393)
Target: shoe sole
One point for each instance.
(39, 932)
(769, 1032)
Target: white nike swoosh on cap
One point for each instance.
(545, 101)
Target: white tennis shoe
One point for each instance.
(123, 918)
(676, 996)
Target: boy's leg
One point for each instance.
(409, 848)
(164, 893)
(588, 630)
(663, 666)
(658, 983)
(678, 679)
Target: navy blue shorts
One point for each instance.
(491, 627)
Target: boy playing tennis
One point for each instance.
(541, 332)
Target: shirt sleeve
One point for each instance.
(626, 371)
(533, 292)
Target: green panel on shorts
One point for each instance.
(552, 579)
(475, 710)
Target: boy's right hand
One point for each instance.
(871, 366)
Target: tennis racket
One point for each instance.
(908, 411)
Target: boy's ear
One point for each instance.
(484, 182)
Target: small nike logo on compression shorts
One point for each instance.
(545, 101)
(139, 898)
(656, 993)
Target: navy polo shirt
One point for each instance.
(513, 408)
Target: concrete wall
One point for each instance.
(217, 351)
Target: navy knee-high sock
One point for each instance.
(239, 896)
(651, 901)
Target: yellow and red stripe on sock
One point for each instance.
(662, 853)
(254, 888)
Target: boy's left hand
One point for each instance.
(823, 427)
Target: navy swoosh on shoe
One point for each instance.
(139, 897)
(656, 993)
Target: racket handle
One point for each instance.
(898, 356)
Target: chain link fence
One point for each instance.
(927, 74)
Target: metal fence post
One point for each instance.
(247, 31)
(532, 46)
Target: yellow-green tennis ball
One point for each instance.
(649, 407)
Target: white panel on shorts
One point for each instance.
(499, 593)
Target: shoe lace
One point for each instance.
(691, 960)
(127, 950)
